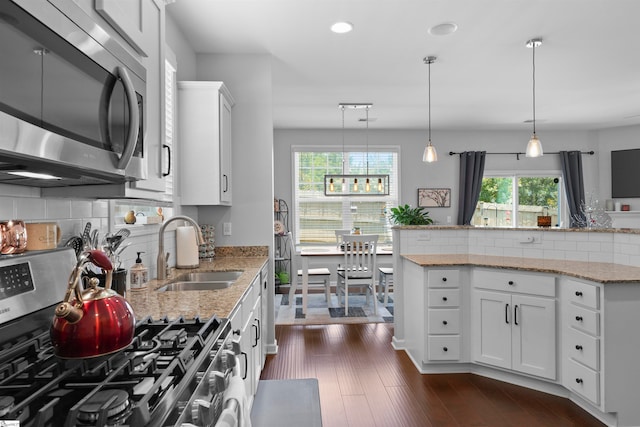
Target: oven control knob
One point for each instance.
(216, 382)
(202, 412)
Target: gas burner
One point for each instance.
(173, 338)
(111, 405)
(6, 405)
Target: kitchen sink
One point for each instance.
(202, 281)
(196, 286)
(209, 276)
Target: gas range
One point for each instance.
(160, 379)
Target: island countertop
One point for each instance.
(602, 272)
(148, 301)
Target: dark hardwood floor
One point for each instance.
(365, 382)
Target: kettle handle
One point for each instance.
(108, 279)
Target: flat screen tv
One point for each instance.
(625, 173)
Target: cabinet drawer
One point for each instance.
(583, 348)
(443, 297)
(443, 347)
(512, 281)
(583, 381)
(584, 319)
(443, 278)
(583, 294)
(445, 321)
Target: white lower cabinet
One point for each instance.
(541, 330)
(581, 340)
(246, 323)
(511, 330)
(434, 335)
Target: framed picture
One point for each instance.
(434, 197)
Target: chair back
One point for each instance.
(339, 236)
(360, 255)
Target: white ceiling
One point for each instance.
(587, 70)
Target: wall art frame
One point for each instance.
(434, 197)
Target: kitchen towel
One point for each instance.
(186, 247)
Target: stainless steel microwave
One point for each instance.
(72, 101)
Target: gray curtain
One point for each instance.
(573, 183)
(471, 171)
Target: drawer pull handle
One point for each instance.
(445, 349)
(444, 322)
(579, 380)
(578, 293)
(444, 298)
(578, 347)
(579, 318)
(510, 282)
(444, 279)
(236, 332)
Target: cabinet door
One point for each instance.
(256, 346)
(246, 356)
(153, 24)
(225, 151)
(534, 335)
(491, 328)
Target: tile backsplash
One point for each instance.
(592, 246)
(72, 215)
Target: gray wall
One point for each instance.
(415, 174)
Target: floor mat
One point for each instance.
(291, 403)
(320, 313)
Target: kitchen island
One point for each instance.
(553, 310)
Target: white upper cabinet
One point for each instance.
(204, 123)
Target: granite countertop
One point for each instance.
(544, 229)
(148, 301)
(601, 272)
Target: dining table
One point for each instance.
(314, 256)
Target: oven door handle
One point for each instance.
(134, 124)
(246, 364)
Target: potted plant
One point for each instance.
(283, 277)
(406, 215)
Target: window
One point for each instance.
(532, 195)
(316, 216)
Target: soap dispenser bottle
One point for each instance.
(139, 273)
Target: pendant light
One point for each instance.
(430, 154)
(356, 184)
(534, 147)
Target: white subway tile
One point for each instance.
(30, 208)
(81, 209)
(58, 208)
(7, 208)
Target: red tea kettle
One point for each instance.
(93, 322)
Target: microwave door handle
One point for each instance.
(134, 125)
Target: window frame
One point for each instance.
(345, 200)
(562, 199)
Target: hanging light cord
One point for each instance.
(534, 87)
(429, 80)
(367, 139)
(342, 139)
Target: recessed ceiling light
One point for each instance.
(342, 27)
(443, 29)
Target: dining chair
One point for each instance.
(385, 282)
(317, 276)
(339, 234)
(358, 269)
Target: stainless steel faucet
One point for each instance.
(162, 266)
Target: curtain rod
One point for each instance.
(517, 154)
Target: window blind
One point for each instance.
(316, 216)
